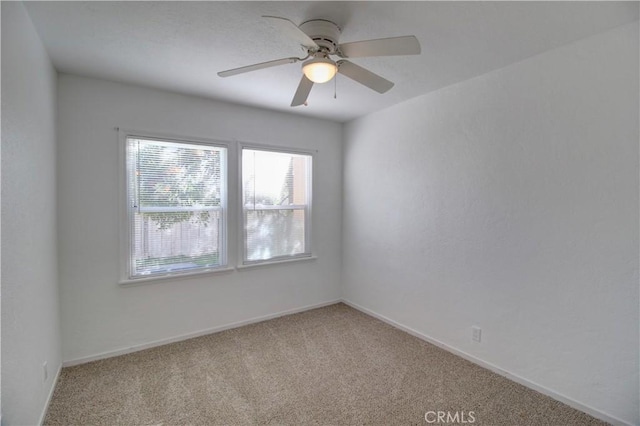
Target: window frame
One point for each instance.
(308, 229)
(126, 213)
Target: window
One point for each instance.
(176, 194)
(276, 201)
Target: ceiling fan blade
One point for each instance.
(254, 67)
(292, 31)
(406, 45)
(304, 88)
(364, 76)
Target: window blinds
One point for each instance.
(176, 193)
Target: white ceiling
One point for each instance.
(180, 46)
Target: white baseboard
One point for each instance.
(51, 390)
(143, 346)
(513, 377)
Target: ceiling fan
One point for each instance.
(319, 39)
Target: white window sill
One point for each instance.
(175, 276)
(275, 262)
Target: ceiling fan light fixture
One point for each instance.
(319, 70)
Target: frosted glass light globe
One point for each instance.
(319, 70)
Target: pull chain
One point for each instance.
(335, 87)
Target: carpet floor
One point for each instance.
(328, 366)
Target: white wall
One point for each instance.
(30, 321)
(100, 316)
(510, 201)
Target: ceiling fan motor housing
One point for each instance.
(324, 33)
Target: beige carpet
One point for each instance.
(328, 366)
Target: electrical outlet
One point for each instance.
(45, 372)
(476, 333)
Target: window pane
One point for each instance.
(274, 178)
(170, 242)
(274, 233)
(276, 201)
(172, 174)
(176, 196)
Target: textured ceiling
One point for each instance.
(180, 46)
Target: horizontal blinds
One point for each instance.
(276, 192)
(178, 175)
(176, 201)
